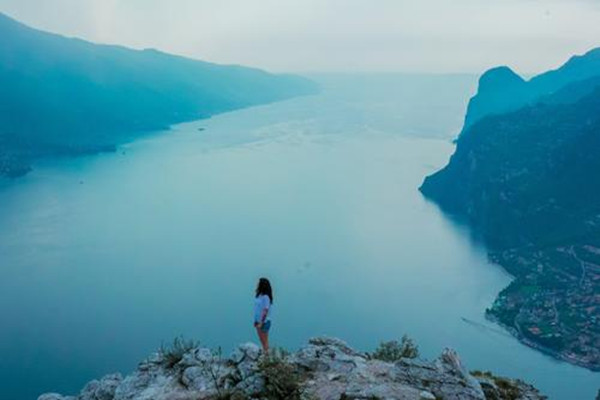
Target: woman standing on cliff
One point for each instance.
(262, 310)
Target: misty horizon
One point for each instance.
(384, 37)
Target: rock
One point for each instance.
(197, 357)
(246, 369)
(450, 359)
(246, 351)
(252, 385)
(388, 391)
(333, 377)
(496, 387)
(451, 364)
(154, 384)
(55, 396)
(155, 358)
(425, 395)
(104, 389)
(328, 355)
(324, 341)
(197, 378)
(325, 369)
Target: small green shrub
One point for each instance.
(279, 352)
(482, 374)
(230, 395)
(393, 351)
(282, 380)
(172, 354)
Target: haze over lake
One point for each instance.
(105, 257)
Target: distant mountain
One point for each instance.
(526, 182)
(63, 95)
(534, 165)
(501, 90)
(510, 165)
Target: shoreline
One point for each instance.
(536, 346)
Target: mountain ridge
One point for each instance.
(67, 95)
(501, 90)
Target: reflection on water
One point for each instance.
(105, 257)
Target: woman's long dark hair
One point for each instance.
(264, 287)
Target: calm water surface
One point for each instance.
(103, 258)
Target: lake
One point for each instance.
(103, 258)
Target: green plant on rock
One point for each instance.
(212, 367)
(282, 380)
(393, 350)
(279, 352)
(502, 388)
(172, 354)
(230, 395)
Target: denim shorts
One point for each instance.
(266, 326)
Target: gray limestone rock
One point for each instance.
(326, 369)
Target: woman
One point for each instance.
(262, 308)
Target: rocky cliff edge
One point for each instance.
(327, 369)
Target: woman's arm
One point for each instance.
(263, 315)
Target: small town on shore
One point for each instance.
(553, 304)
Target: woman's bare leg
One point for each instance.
(264, 340)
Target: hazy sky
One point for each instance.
(334, 35)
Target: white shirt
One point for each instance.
(260, 303)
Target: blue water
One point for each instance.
(102, 258)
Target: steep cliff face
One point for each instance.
(325, 369)
(526, 182)
(535, 166)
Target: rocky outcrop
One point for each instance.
(327, 369)
(496, 387)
